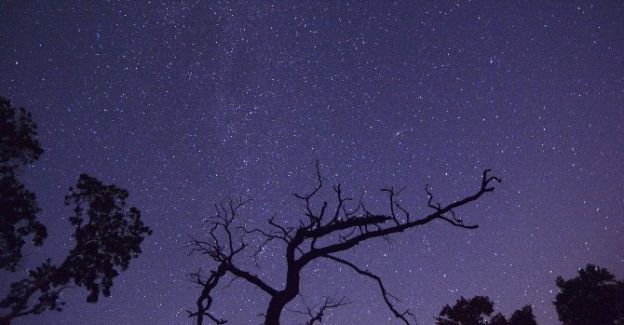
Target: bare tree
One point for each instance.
(321, 234)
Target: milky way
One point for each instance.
(183, 103)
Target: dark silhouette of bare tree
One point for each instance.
(107, 233)
(321, 234)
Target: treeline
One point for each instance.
(594, 297)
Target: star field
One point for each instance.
(186, 102)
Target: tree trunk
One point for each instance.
(274, 311)
(279, 301)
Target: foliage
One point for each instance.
(477, 311)
(107, 233)
(523, 316)
(467, 312)
(19, 147)
(593, 297)
(18, 137)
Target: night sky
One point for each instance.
(185, 102)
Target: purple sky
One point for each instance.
(185, 102)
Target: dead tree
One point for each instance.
(320, 235)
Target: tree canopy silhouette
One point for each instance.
(477, 311)
(107, 233)
(19, 146)
(593, 297)
(467, 312)
(523, 316)
(322, 232)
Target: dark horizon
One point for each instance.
(185, 103)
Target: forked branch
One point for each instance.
(316, 316)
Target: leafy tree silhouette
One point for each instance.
(467, 312)
(107, 234)
(523, 316)
(320, 234)
(18, 208)
(498, 319)
(593, 297)
(477, 311)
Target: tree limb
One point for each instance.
(385, 294)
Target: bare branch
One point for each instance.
(385, 294)
(251, 278)
(317, 316)
(318, 186)
(205, 299)
(222, 225)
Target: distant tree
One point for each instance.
(593, 297)
(477, 311)
(498, 319)
(523, 316)
(323, 232)
(19, 147)
(467, 312)
(107, 235)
